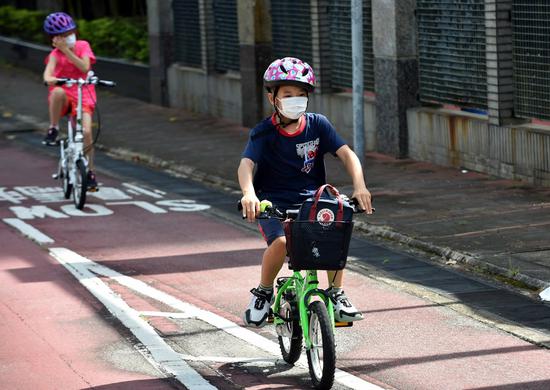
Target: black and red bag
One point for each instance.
(319, 237)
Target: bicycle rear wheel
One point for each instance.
(80, 185)
(290, 333)
(321, 356)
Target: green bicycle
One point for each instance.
(302, 312)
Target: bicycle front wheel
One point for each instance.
(80, 185)
(321, 356)
(290, 333)
(67, 185)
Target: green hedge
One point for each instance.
(117, 38)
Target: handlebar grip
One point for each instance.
(106, 83)
(61, 81)
(355, 203)
(57, 82)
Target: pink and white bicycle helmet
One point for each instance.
(289, 71)
(58, 23)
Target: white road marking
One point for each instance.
(224, 359)
(140, 203)
(164, 357)
(36, 211)
(143, 190)
(29, 231)
(192, 311)
(89, 210)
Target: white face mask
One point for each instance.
(293, 107)
(71, 40)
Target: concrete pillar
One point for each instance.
(161, 37)
(255, 55)
(500, 80)
(396, 72)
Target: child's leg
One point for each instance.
(274, 257)
(335, 278)
(272, 261)
(88, 140)
(343, 308)
(57, 105)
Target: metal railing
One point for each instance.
(340, 45)
(226, 35)
(291, 29)
(531, 58)
(187, 33)
(451, 52)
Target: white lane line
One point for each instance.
(164, 314)
(29, 231)
(219, 322)
(163, 356)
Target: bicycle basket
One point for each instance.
(316, 245)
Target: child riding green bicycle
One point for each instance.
(284, 162)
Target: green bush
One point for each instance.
(22, 23)
(117, 38)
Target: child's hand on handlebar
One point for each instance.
(364, 199)
(251, 206)
(50, 80)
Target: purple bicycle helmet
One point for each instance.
(289, 71)
(58, 23)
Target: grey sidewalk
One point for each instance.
(488, 224)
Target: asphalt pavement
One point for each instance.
(495, 228)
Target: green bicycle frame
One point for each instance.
(306, 288)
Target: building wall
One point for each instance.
(215, 94)
(468, 141)
(220, 95)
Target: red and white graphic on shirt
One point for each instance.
(308, 150)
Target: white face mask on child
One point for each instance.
(293, 107)
(71, 40)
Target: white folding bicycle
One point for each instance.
(73, 164)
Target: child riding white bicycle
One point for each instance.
(287, 150)
(70, 58)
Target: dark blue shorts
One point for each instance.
(271, 229)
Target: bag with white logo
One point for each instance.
(319, 237)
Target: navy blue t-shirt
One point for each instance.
(290, 166)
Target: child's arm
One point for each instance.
(82, 64)
(353, 166)
(48, 71)
(249, 201)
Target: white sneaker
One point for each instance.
(344, 311)
(258, 309)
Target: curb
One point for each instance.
(451, 255)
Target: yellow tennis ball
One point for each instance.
(264, 204)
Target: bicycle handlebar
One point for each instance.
(94, 80)
(273, 211)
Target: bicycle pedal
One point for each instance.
(343, 324)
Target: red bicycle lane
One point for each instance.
(54, 334)
(197, 257)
